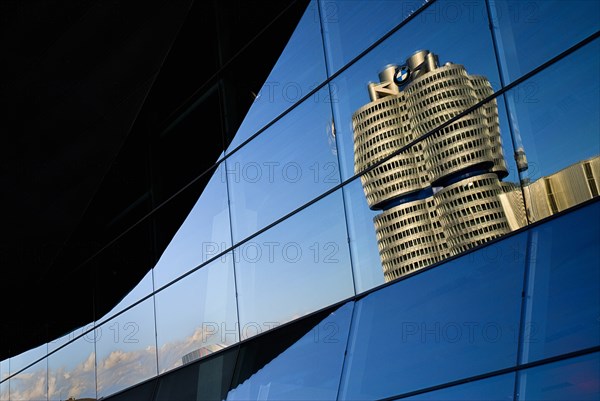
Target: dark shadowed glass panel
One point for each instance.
(563, 292)
(204, 233)
(441, 325)
(456, 32)
(298, 266)
(350, 26)
(126, 349)
(72, 369)
(207, 380)
(556, 119)
(197, 315)
(276, 367)
(530, 33)
(568, 380)
(498, 388)
(289, 164)
(300, 69)
(143, 392)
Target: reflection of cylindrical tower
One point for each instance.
(462, 162)
(484, 89)
(436, 97)
(471, 212)
(406, 238)
(380, 128)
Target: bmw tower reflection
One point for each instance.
(443, 195)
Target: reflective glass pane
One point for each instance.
(571, 379)
(523, 28)
(289, 164)
(31, 383)
(441, 325)
(203, 234)
(300, 69)
(208, 379)
(498, 388)
(455, 190)
(374, 95)
(197, 315)
(563, 292)
(21, 361)
(366, 263)
(307, 369)
(298, 266)
(556, 118)
(350, 26)
(72, 369)
(126, 349)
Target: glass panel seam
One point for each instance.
(338, 150)
(514, 369)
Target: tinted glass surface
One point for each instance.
(308, 369)
(203, 234)
(523, 27)
(440, 325)
(72, 369)
(289, 164)
(558, 103)
(126, 349)
(563, 291)
(571, 379)
(492, 389)
(298, 266)
(197, 315)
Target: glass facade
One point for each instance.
(409, 210)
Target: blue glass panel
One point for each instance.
(300, 69)
(27, 358)
(455, 31)
(556, 119)
(31, 383)
(72, 369)
(441, 325)
(366, 263)
(568, 380)
(126, 349)
(563, 292)
(197, 315)
(203, 234)
(350, 26)
(291, 163)
(530, 33)
(498, 388)
(296, 267)
(308, 369)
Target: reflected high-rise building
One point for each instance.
(444, 194)
(563, 189)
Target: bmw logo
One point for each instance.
(402, 75)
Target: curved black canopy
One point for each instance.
(89, 169)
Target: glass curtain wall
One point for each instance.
(362, 207)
